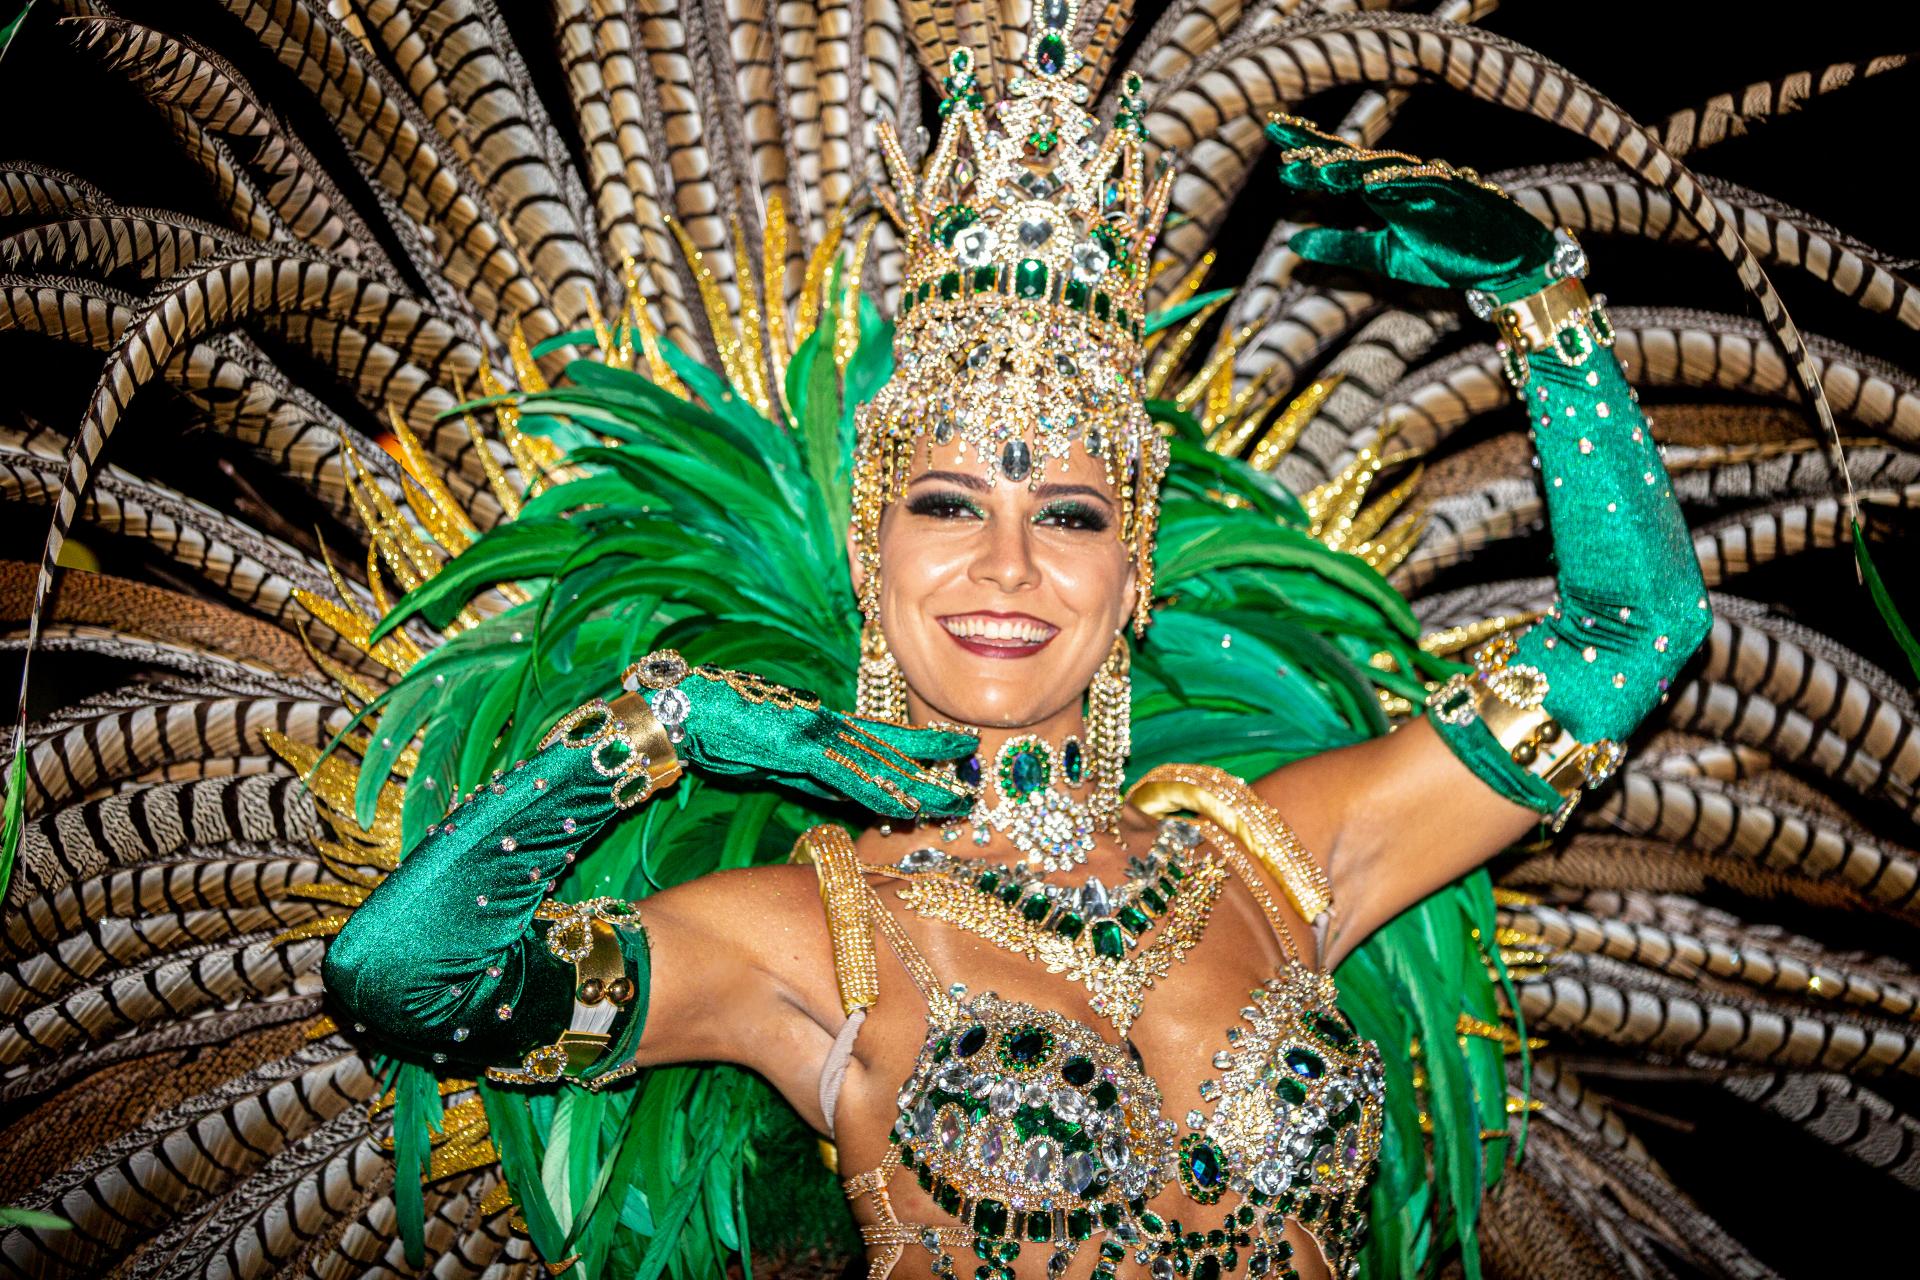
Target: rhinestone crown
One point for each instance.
(1028, 233)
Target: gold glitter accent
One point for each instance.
(1115, 984)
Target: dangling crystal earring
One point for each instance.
(1110, 731)
(880, 692)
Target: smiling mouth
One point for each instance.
(999, 635)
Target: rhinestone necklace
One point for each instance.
(1051, 930)
(1109, 921)
(1051, 828)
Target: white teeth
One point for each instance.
(977, 627)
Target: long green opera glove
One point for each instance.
(1632, 606)
(446, 958)
(459, 956)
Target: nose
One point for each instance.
(1005, 556)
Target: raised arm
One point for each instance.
(1542, 714)
(464, 956)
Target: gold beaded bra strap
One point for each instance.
(1230, 803)
(854, 914)
(1228, 850)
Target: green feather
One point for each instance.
(13, 822)
(1882, 600)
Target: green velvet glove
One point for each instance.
(449, 957)
(445, 959)
(1445, 227)
(730, 722)
(1632, 605)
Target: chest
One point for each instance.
(1241, 1101)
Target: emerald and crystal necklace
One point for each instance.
(1107, 920)
(1052, 829)
(1055, 926)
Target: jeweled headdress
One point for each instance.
(1028, 233)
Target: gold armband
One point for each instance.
(630, 746)
(1560, 318)
(582, 933)
(1507, 698)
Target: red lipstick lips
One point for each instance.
(999, 635)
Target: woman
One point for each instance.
(991, 1030)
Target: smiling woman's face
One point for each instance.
(1000, 602)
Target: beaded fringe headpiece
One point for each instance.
(1028, 234)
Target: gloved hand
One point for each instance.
(1445, 227)
(732, 722)
(1632, 603)
(451, 955)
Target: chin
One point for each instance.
(993, 699)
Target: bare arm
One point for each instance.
(1392, 819)
(1543, 713)
(743, 973)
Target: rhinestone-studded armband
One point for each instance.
(1560, 319)
(1508, 698)
(631, 747)
(584, 935)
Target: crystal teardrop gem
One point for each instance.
(1016, 459)
(1077, 1175)
(1054, 14)
(950, 1130)
(1005, 1099)
(1040, 1163)
(992, 1146)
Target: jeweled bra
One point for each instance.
(1027, 1127)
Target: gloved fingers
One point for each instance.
(871, 787)
(1448, 217)
(1342, 247)
(1380, 252)
(901, 777)
(1312, 159)
(923, 743)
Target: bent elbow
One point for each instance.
(372, 979)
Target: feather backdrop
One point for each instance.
(549, 321)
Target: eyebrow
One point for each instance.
(966, 480)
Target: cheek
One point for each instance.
(1087, 573)
(917, 557)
